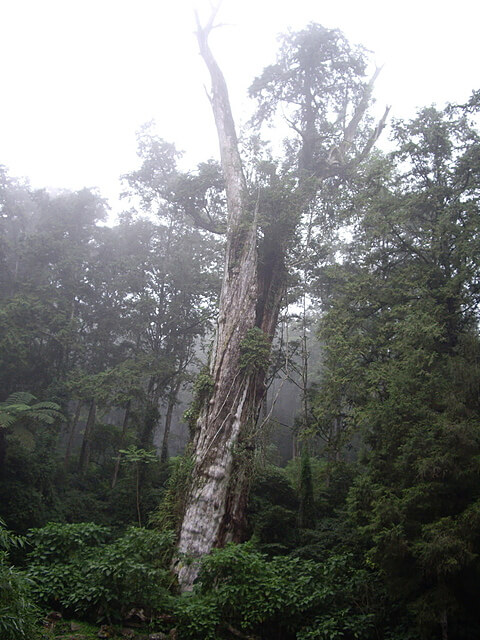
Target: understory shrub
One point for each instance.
(283, 598)
(272, 512)
(18, 616)
(80, 569)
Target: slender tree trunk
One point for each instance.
(152, 415)
(71, 433)
(444, 624)
(172, 401)
(137, 486)
(122, 443)
(294, 443)
(87, 436)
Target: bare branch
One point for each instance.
(337, 156)
(203, 223)
(214, 9)
(373, 137)
(219, 99)
(352, 127)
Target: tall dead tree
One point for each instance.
(252, 290)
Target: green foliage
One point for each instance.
(91, 312)
(18, 615)
(18, 406)
(115, 314)
(58, 542)
(254, 351)
(202, 390)
(281, 598)
(204, 384)
(272, 511)
(31, 481)
(80, 569)
(168, 516)
(306, 509)
(401, 366)
(134, 455)
(83, 630)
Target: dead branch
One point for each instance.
(203, 223)
(219, 99)
(338, 154)
(362, 106)
(373, 137)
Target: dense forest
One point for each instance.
(330, 276)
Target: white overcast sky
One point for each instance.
(79, 78)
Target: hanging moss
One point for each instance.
(255, 351)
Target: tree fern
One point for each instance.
(18, 406)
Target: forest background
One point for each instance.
(373, 530)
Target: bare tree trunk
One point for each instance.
(87, 435)
(122, 443)
(251, 295)
(71, 434)
(224, 438)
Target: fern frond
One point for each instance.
(19, 397)
(51, 406)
